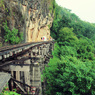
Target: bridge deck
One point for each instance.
(7, 49)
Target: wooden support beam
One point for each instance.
(1, 57)
(13, 61)
(17, 68)
(20, 87)
(33, 76)
(20, 82)
(27, 79)
(18, 75)
(12, 74)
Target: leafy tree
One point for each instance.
(64, 18)
(60, 20)
(89, 29)
(78, 28)
(70, 76)
(85, 49)
(71, 71)
(66, 36)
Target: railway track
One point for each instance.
(8, 51)
(13, 48)
(5, 48)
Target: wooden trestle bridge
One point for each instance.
(22, 65)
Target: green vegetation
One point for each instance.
(70, 76)
(49, 26)
(10, 31)
(71, 71)
(51, 5)
(2, 4)
(13, 36)
(7, 92)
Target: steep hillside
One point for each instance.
(71, 70)
(65, 18)
(32, 17)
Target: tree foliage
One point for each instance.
(70, 76)
(71, 70)
(64, 18)
(66, 36)
(12, 36)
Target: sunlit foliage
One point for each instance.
(71, 71)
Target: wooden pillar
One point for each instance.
(45, 51)
(27, 75)
(21, 76)
(48, 48)
(40, 87)
(33, 76)
(39, 52)
(42, 52)
(36, 77)
(18, 75)
(12, 81)
(27, 79)
(17, 78)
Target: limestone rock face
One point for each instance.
(32, 17)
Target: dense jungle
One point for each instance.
(71, 71)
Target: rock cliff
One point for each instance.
(32, 17)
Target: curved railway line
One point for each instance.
(11, 51)
(33, 44)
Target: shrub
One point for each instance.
(5, 92)
(2, 4)
(12, 36)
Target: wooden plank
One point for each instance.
(16, 68)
